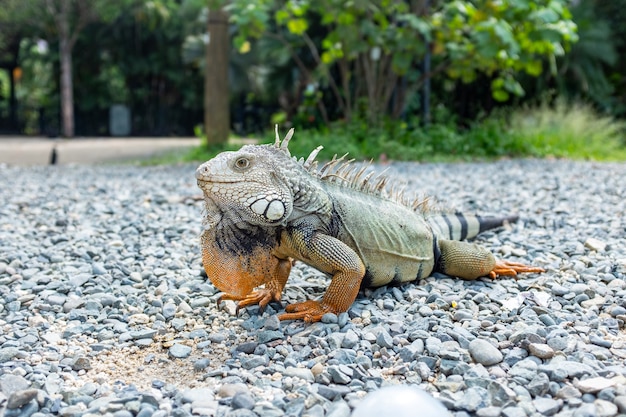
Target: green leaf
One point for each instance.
(297, 26)
(500, 95)
(533, 68)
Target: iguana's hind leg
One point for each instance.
(470, 261)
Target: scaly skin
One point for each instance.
(265, 209)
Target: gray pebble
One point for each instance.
(20, 398)
(179, 351)
(242, 400)
(123, 268)
(484, 352)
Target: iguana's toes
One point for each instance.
(262, 297)
(511, 269)
(226, 296)
(309, 311)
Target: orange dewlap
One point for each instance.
(238, 274)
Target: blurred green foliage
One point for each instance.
(348, 75)
(559, 130)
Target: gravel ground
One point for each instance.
(104, 309)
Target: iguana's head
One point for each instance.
(258, 183)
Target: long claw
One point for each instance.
(262, 297)
(309, 311)
(508, 268)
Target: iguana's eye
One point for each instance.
(242, 163)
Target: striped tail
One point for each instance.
(458, 226)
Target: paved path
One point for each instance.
(24, 150)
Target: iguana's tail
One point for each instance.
(459, 226)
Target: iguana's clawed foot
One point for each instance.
(262, 297)
(512, 269)
(310, 311)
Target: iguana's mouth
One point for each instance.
(212, 181)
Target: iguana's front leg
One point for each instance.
(238, 274)
(470, 261)
(274, 286)
(332, 256)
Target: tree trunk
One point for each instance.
(67, 90)
(67, 87)
(216, 106)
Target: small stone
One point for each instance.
(272, 323)
(595, 244)
(547, 406)
(350, 340)
(620, 402)
(317, 369)
(143, 334)
(538, 385)
(541, 350)
(201, 364)
(98, 269)
(330, 318)
(338, 374)
(252, 361)
(196, 394)
(513, 411)
(586, 410)
(80, 363)
(593, 385)
(605, 408)
(20, 398)
(247, 347)
(230, 390)
(179, 351)
(169, 310)
(266, 336)
(332, 392)
(484, 352)
(338, 409)
(8, 353)
(242, 400)
(490, 411)
(201, 302)
(302, 373)
(384, 339)
(596, 340)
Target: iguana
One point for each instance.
(265, 209)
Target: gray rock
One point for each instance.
(11, 383)
(541, 350)
(201, 364)
(302, 373)
(179, 351)
(547, 406)
(539, 385)
(384, 339)
(340, 374)
(338, 409)
(252, 361)
(350, 340)
(620, 402)
(266, 336)
(20, 398)
(8, 353)
(513, 411)
(332, 392)
(242, 400)
(605, 408)
(484, 352)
